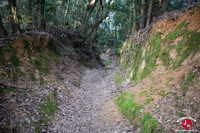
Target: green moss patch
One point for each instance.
(178, 31)
(13, 58)
(119, 79)
(132, 111)
(48, 109)
(152, 55)
(188, 78)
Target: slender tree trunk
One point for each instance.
(55, 17)
(189, 3)
(135, 14)
(149, 13)
(30, 23)
(2, 29)
(98, 22)
(36, 14)
(94, 38)
(131, 18)
(42, 19)
(162, 7)
(115, 42)
(14, 17)
(108, 33)
(143, 12)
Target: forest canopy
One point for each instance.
(104, 22)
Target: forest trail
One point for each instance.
(90, 108)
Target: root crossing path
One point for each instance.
(90, 108)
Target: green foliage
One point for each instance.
(181, 114)
(1, 90)
(23, 93)
(10, 89)
(119, 79)
(41, 64)
(26, 43)
(128, 74)
(20, 73)
(152, 55)
(77, 82)
(142, 93)
(13, 58)
(88, 64)
(137, 73)
(67, 90)
(148, 100)
(108, 62)
(32, 77)
(162, 93)
(125, 103)
(127, 106)
(177, 32)
(48, 108)
(148, 123)
(188, 81)
(1, 55)
(192, 46)
(132, 57)
(41, 80)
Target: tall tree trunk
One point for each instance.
(14, 17)
(189, 3)
(149, 13)
(36, 14)
(42, 19)
(97, 23)
(55, 16)
(143, 12)
(30, 23)
(135, 14)
(108, 35)
(131, 18)
(2, 29)
(162, 7)
(115, 42)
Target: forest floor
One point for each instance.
(90, 107)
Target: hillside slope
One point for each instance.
(160, 71)
(38, 69)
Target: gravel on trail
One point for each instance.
(83, 110)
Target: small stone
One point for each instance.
(118, 121)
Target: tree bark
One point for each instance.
(115, 41)
(131, 18)
(135, 15)
(189, 3)
(97, 23)
(108, 33)
(36, 14)
(162, 7)
(2, 29)
(42, 19)
(30, 23)
(143, 12)
(149, 13)
(14, 16)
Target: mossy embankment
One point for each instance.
(155, 62)
(33, 67)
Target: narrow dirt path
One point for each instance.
(90, 108)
